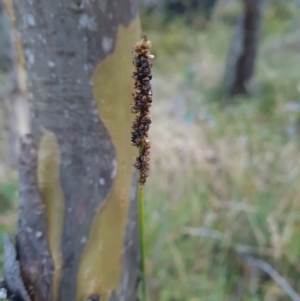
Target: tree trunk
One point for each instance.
(72, 219)
(16, 112)
(15, 108)
(190, 9)
(5, 42)
(243, 49)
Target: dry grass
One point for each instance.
(224, 179)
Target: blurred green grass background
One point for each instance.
(224, 179)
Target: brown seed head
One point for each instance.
(142, 47)
(142, 102)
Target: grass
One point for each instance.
(223, 179)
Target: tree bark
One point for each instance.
(16, 113)
(243, 49)
(72, 219)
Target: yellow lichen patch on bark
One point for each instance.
(52, 195)
(101, 263)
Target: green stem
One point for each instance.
(141, 239)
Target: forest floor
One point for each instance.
(224, 186)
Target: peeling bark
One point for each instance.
(63, 42)
(31, 239)
(13, 281)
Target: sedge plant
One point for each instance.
(139, 136)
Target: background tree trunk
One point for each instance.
(243, 49)
(10, 94)
(188, 9)
(72, 220)
(5, 41)
(15, 110)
